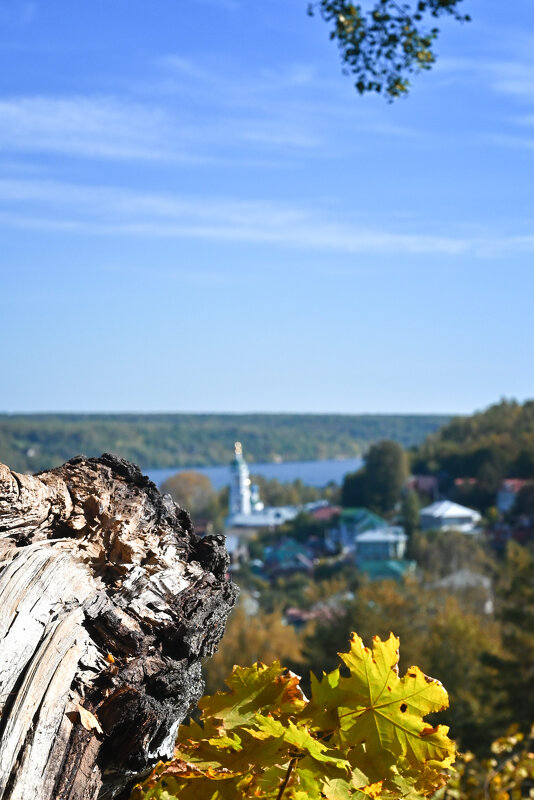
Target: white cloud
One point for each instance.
(84, 126)
(54, 206)
(513, 78)
(512, 141)
(507, 76)
(105, 128)
(193, 113)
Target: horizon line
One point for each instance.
(238, 413)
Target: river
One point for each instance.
(311, 473)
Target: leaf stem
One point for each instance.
(287, 776)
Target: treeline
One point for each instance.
(486, 447)
(32, 442)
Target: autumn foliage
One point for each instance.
(361, 734)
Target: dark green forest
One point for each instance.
(33, 442)
(486, 447)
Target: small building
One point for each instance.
(352, 522)
(266, 518)
(326, 513)
(424, 484)
(380, 545)
(444, 515)
(287, 556)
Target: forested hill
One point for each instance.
(488, 446)
(32, 442)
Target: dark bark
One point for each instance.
(109, 604)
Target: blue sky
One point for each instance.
(198, 213)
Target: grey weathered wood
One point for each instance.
(108, 603)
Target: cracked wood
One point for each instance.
(109, 602)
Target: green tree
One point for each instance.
(524, 463)
(524, 502)
(384, 44)
(515, 610)
(440, 553)
(193, 491)
(387, 469)
(353, 490)
(276, 493)
(410, 516)
(488, 446)
(378, 485)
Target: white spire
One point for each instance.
(239, 484)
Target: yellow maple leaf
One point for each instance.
(381, 711)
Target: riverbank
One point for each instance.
(311, 473)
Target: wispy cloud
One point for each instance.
(106, 128)
(511, 141)
(226, 80)
(84, 126)
(513, 78)
(291, 97)
(505, 76)
(513, 81)
(101, 210)
(194, 112)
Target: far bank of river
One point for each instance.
(311, 473)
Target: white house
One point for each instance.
(444, 515)
(382, 544)
(350, 523)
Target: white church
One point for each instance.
(246, 508)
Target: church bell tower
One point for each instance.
(239, 484)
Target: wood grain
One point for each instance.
(109, 602)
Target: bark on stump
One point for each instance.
(108, 604)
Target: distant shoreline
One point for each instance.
(34, 442)
(312, 473)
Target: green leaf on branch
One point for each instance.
(362, 735)
(384, 44)
(386, 712)
(254, 689)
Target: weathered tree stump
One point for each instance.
(108, 604)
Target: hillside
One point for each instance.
(488, 446)
(32, 442)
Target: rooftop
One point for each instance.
(382, 535)
(443, 509)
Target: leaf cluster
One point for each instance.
(508, 773)
(362, 734)
(445, 632)
(381, 46)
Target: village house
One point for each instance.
(380, 545)
(351, 522)
(444, 515)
